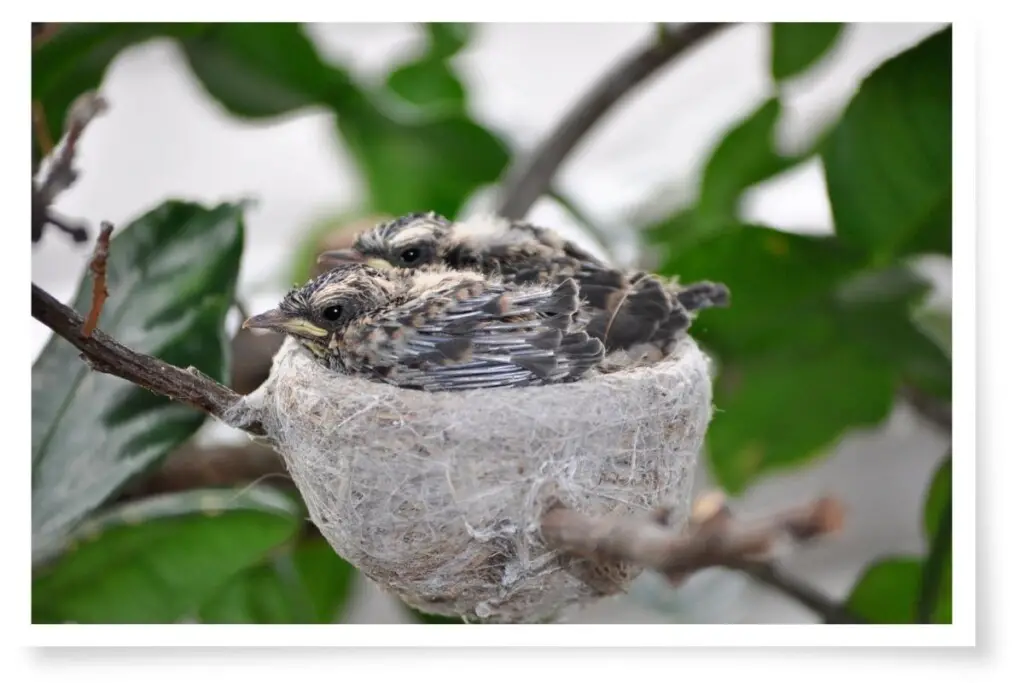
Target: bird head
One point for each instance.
(318, 310)
(412, 241)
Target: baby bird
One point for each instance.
(637, 313)
(437, 330)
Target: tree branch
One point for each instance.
(524, 187)
(711, 539)
(104, 354)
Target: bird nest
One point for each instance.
(438, 497)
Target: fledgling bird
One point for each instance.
(638, 313)
(436, 329)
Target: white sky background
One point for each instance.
(164, 137)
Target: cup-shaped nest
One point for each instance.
(438, 497)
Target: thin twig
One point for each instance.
(98, 266)
(712, 538)
(41, 129)
(62, 174)
(524, 187)
(104, 354)
(827, 609)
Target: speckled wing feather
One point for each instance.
(476, 335)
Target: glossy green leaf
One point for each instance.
(886, 592)
(76, 57)
(158, 560)
(888, 163)
(935, 600)
(308, 585)
(796, 46)
(171, 277)
(260, 70)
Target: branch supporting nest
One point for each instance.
(533, 180)
(104, 354)
(712, 538)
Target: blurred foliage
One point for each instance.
(823, 333)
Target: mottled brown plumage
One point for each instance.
(436, 329)
(638, 312)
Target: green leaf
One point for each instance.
(744, 157)
(157, 560)
(447, 38)
(796, 46)
(777, 410)
(260, 70)
(886, 592)
(76, 57)
(171, 277)
(806, 330)
(877, 310)
(778, 279)
(309, 585)
(429, 83)
(935, 600)
(888, 163)
(432, 165)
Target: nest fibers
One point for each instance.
(437, 497)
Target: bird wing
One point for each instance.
(478, 335)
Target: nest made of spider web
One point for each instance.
(437, 497)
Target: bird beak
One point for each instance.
(280, 322)
(339, 256)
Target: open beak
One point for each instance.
(339, 256)
(275, 320)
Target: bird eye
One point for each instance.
(410, 256)
(332, 313)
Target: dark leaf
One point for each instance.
(265, 69)
(886, 592)
(309, 585)
(796, 46)
(74, 59)
(157, 560)
(935, 601)
(888, 163)
(171, 276)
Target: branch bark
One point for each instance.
(711, 539)
(528, 184)
(105, 354)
